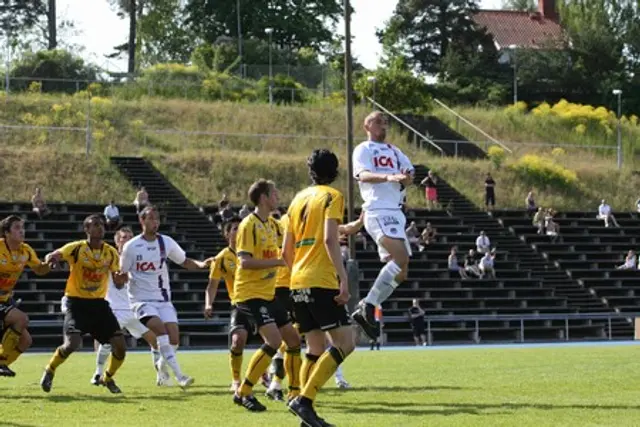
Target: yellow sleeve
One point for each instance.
(115, 260)
(215, 271)
(69, 252)
(335, 206)
(33, 260)
(247, 238)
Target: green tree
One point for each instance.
(19, 16)
(396, 88)
(296, 24)
(423, 30)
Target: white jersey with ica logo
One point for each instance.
(381, 158)
(146, 263)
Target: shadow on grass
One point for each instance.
(392, 389)
(133, 398)
(421, 409)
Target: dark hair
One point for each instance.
(226, 228)
(91, 218)
(259, 188)
(146, 211)
(323, 166)
(8, 222)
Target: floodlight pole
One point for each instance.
(349, 119)
(353, 272)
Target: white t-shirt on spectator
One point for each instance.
(604, 210)
(630, 262)
(483, 243)
(111, 211)
(487, 261)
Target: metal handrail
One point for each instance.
(495, 141)
(406, 125)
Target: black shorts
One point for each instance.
(260, 312)
(91, 316)
(5, 308)
(417, 325)
(315, 308)
(283, 296)
(238, 320)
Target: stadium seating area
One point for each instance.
(534, 277)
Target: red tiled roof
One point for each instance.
(523, 29)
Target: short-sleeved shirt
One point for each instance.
(382, 158)
(258, 239)
(89, 269)
(148, 270)
(310, 208)
(12, 264)
(224, 268)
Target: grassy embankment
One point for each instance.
(206, 165)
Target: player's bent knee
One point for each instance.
(238, 340)
(25, 340)
(72, 343)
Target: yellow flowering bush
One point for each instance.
(519, 107)
(496, 155)
(558, 152)
(544, 172)
(582, 117)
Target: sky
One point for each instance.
(95, 18)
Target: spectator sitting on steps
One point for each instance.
(471, 264)
(530, 203)
(112, 214)
(483, 244)
(487, 264)
(39, 204)
(604, 213)
(142, 200)
(413, 234)
(453, 265)
(553, 228)
(427, 237)
(629, 262)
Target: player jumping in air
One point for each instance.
(383, 172)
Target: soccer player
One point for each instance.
(319, 286)
(90, 262)
(254, 293)
(15, 255)
(383, 172)
(119, 303)
(145, 259)
(224, 267)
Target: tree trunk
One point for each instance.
(132, 36)
(52, 26)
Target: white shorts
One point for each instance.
(386, 222)
(161, 309)
(128, 321)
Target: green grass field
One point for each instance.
(549, 386)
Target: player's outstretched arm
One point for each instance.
(53, 258)
(352, 227)
(41, 269)
(120, 278)
(194, 264)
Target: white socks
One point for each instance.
(101, 358)
(169, 355)
(384, 284)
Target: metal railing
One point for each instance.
(430, 320)
(407, 126)
(474, 127)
